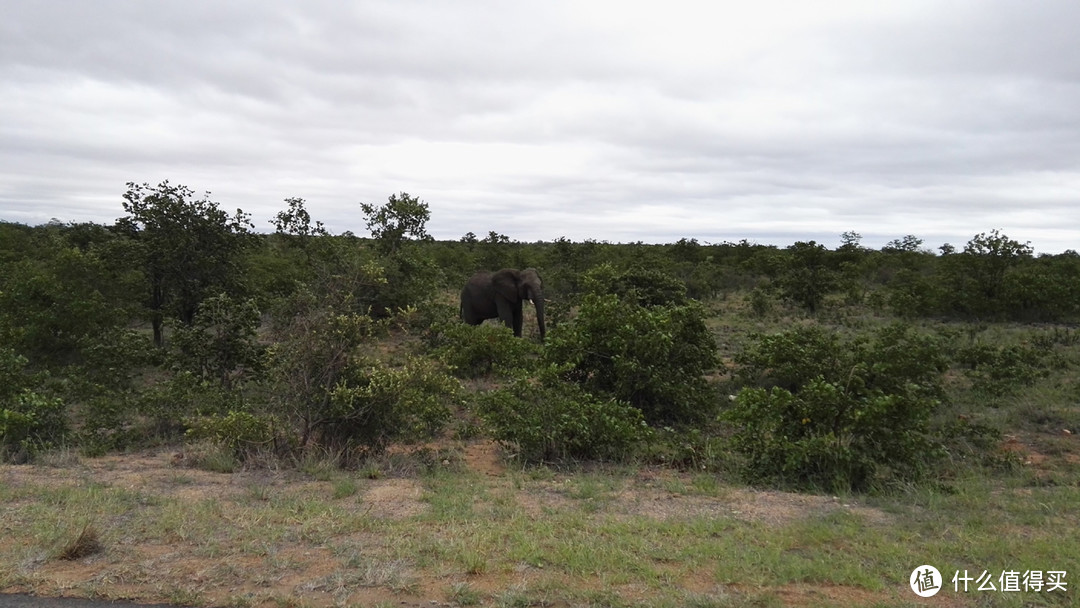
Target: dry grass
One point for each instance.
(486, 536)
(85, 544)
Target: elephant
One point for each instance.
(490, 295)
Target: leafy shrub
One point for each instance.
(111, 363)
(428, 321)
(844, 413)
(760, 303)
(375, 404)
(13, 376)
(108, 422)
(239, 431)
(471, 351)
(103, 387)
(1001, 370)
(220, 344)
(644, 286)
(548, 419)
(333, 397)
(31, 422)
(912, 294)
(653, 358)
(1046, 289)
(56, 300)
(806, 275)
(316, 349)
(167, 404)
(411, 279)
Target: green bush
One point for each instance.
(375, 404)
(166, 405)
(1001, 370)
(334, 397)
(807, 275)
(644, 286)
(221, 342)
(29, 423)
(653, 358)
(411, 279)
(112, 362)
(241, 432)
(761, 304)
(912, 294)
(844, 414)
(13, 376)
(548, 419)
(315, 350)
(474, 351)
(29, 420)
(53, 302)
(428, 321)
(108, 422)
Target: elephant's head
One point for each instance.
(531, 289)
(521, 285)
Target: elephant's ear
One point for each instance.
(506, 284)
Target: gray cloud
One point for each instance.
(774, 121)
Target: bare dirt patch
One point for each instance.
(395, 499)
(485, 458)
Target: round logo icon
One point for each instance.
(925, 581)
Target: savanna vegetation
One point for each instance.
(912, 379)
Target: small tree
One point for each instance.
(909, 243)
(296, 221)
(189, 248)
(411, 274)
(806, 275)
(980, 272)
(401, 217)
(493, 251)
(315, 350)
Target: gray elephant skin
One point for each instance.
(500, 295)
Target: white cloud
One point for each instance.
(619, 121)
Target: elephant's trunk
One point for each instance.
(538, 300)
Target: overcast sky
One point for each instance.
(772, 121)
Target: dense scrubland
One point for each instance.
(910, 378)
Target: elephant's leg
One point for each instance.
(518, 319)
(506, 312)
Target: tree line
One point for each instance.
(181, 320)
